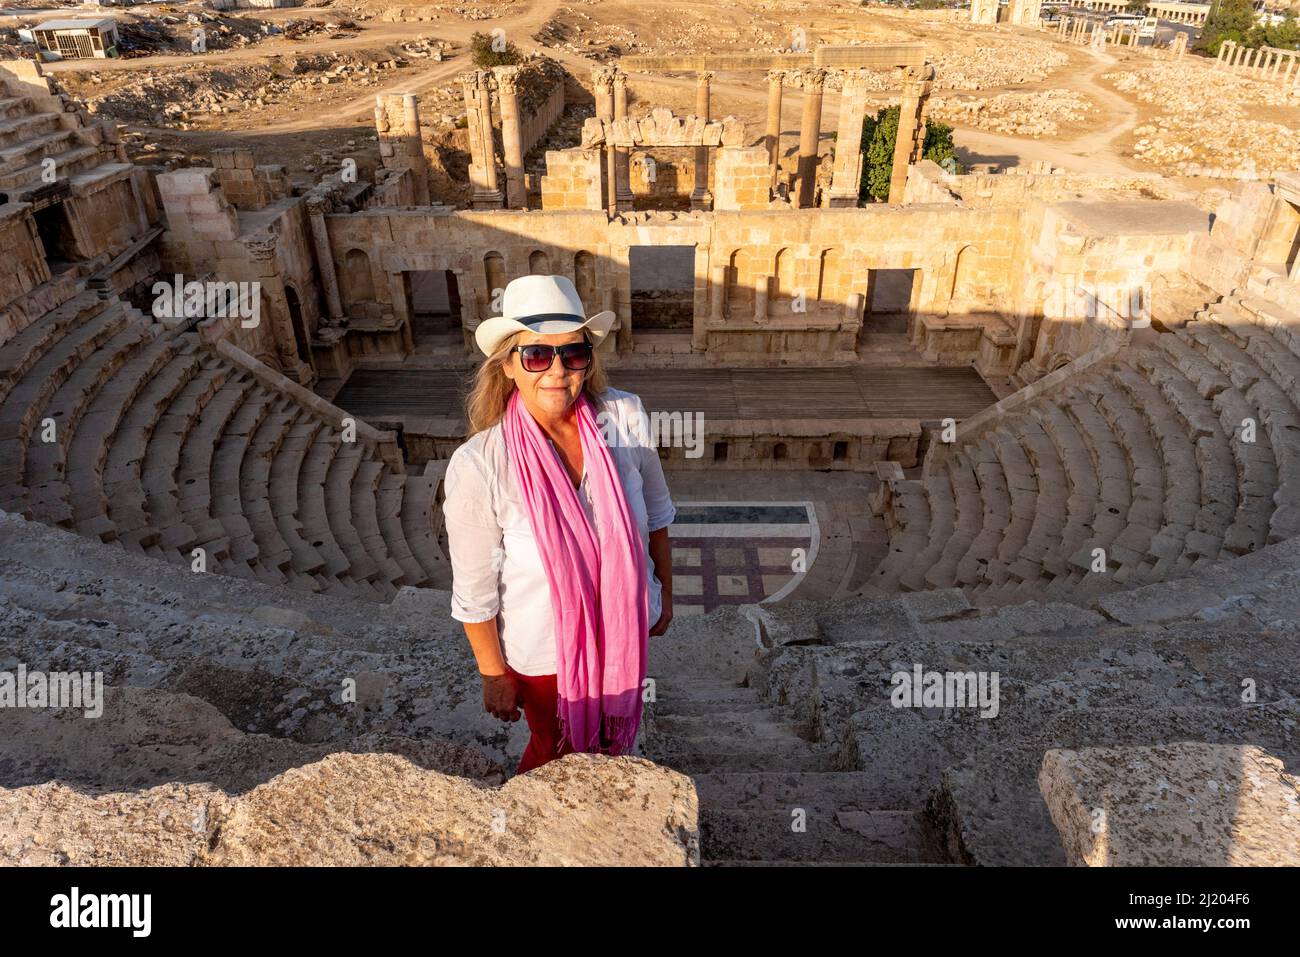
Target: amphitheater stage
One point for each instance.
(922, 393)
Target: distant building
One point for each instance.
(77, 39)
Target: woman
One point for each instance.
(557, 518)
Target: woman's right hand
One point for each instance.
(501, 696)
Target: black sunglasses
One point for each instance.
(574, 356)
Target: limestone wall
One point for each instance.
(207, 237)
(779, 280)
(572, 180)
(245, 184)
(23, 267)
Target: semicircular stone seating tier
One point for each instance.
(121, 429)
(1170, 455)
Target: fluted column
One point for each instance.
(846, 181)
(700, 197)
(814, 80)
(512, 142)
(602, 82)
(911, 129)
(775, 81)
(482, 154)
(622, 154)
(317, 206)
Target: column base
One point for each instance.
(494, 199)
(701, 200)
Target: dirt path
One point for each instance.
(1092, 151)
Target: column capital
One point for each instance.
(619, 80)
(261, 249)
(471, 80)
(852, 80)
(318, 204)
(703, 77)
(776, 77)
(814, 79)
(602, 78)
(507, 78)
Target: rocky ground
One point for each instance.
(1252, 127)
(1019, 114)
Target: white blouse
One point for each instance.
(497, 569)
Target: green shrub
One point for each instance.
(484, 57)
(879, 136)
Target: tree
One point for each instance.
(1137, 6)
(1228, 20)
(1284, 35)
(879, 136)
(484, 55)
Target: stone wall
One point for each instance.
(767, 281)
(572, 180)
(742, 180)
(23, 267)
(1088, 265)
(208, 237)
(245, 184)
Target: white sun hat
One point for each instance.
(544, 305)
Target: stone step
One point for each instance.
(783, 790)
(844, 836)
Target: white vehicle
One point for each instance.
(1149, 26)
(1125, 19)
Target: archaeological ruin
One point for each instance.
(1028, 424)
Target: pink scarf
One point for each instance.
(599, 592)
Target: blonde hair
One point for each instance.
(490, 387)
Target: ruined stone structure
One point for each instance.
(1265, 63)
(1117, 536)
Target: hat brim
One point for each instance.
(490, 332)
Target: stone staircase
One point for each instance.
(768, 792)
(1175, 453)
(1161, 664)
(128, 431)
(32, 132)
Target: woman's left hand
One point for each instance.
(665, 617)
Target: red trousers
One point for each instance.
(540, 696)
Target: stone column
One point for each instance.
(400, 290)
(911, 130)
(478, 124)
(262, 259)
(512, 143)
(700, 198)
(772, 140)
(717, 293)
(760, 298)
(602, 81)
(415, 148)
(622, 154)
(317, 207)
(846, 179)
(814, 80)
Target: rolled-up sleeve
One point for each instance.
(474, 538)
(659, 507)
